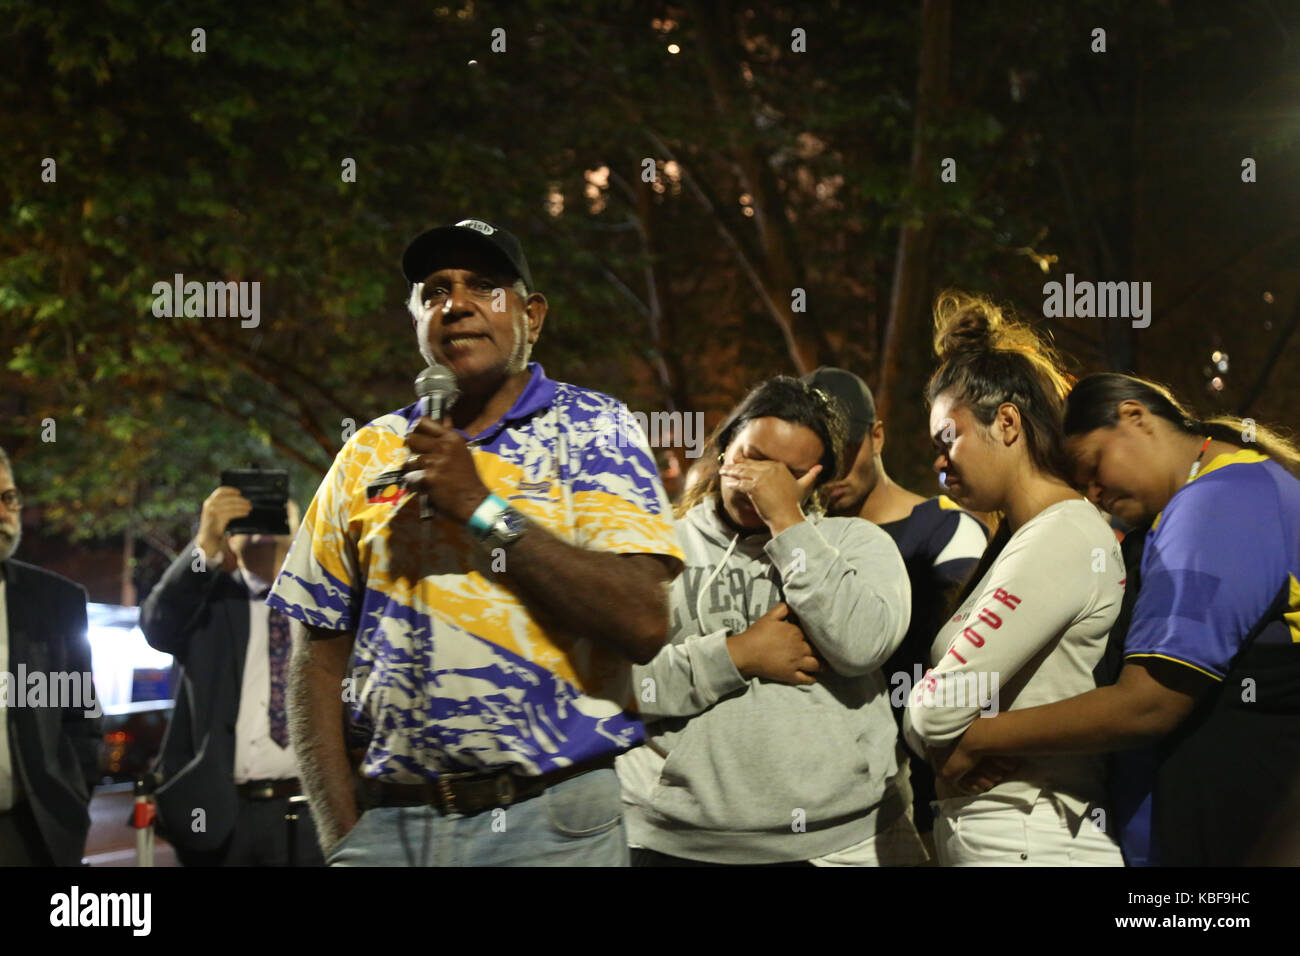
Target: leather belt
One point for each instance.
(269, 789)
(471, 793)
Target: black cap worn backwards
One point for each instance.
(429, 251)
(853, 395)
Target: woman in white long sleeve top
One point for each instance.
(1033, 623)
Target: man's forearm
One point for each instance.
(618, 600)
(315, 705)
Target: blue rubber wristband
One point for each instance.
(480, 522)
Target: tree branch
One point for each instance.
(280, 445)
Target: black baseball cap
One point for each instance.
(429, 250)
(853, 395)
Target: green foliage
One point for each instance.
(225, 165)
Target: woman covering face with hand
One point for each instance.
(1206, 710)
(770, 737)
(1034, 620)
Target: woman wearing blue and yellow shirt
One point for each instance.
(1206, 708)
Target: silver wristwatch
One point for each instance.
(507, 528)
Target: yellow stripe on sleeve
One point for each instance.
(1165, 657)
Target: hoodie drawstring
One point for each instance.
(699, 597)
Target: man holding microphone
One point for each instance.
(480, 659)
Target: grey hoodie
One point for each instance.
(758, 771)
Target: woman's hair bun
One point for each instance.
(965, 323)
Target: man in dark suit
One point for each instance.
(49, 744)
(228, 769)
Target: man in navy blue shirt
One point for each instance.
(940, 544)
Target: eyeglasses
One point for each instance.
(12, 499)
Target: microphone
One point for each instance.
(437, 391)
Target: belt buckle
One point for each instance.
(263, 790)
(507, 791)
(447, 795)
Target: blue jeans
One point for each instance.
(577, 822)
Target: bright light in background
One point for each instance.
(597, 182)
(673, 173)
(554, 200)
(658, 184)
(674, 48)
(118, 649)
